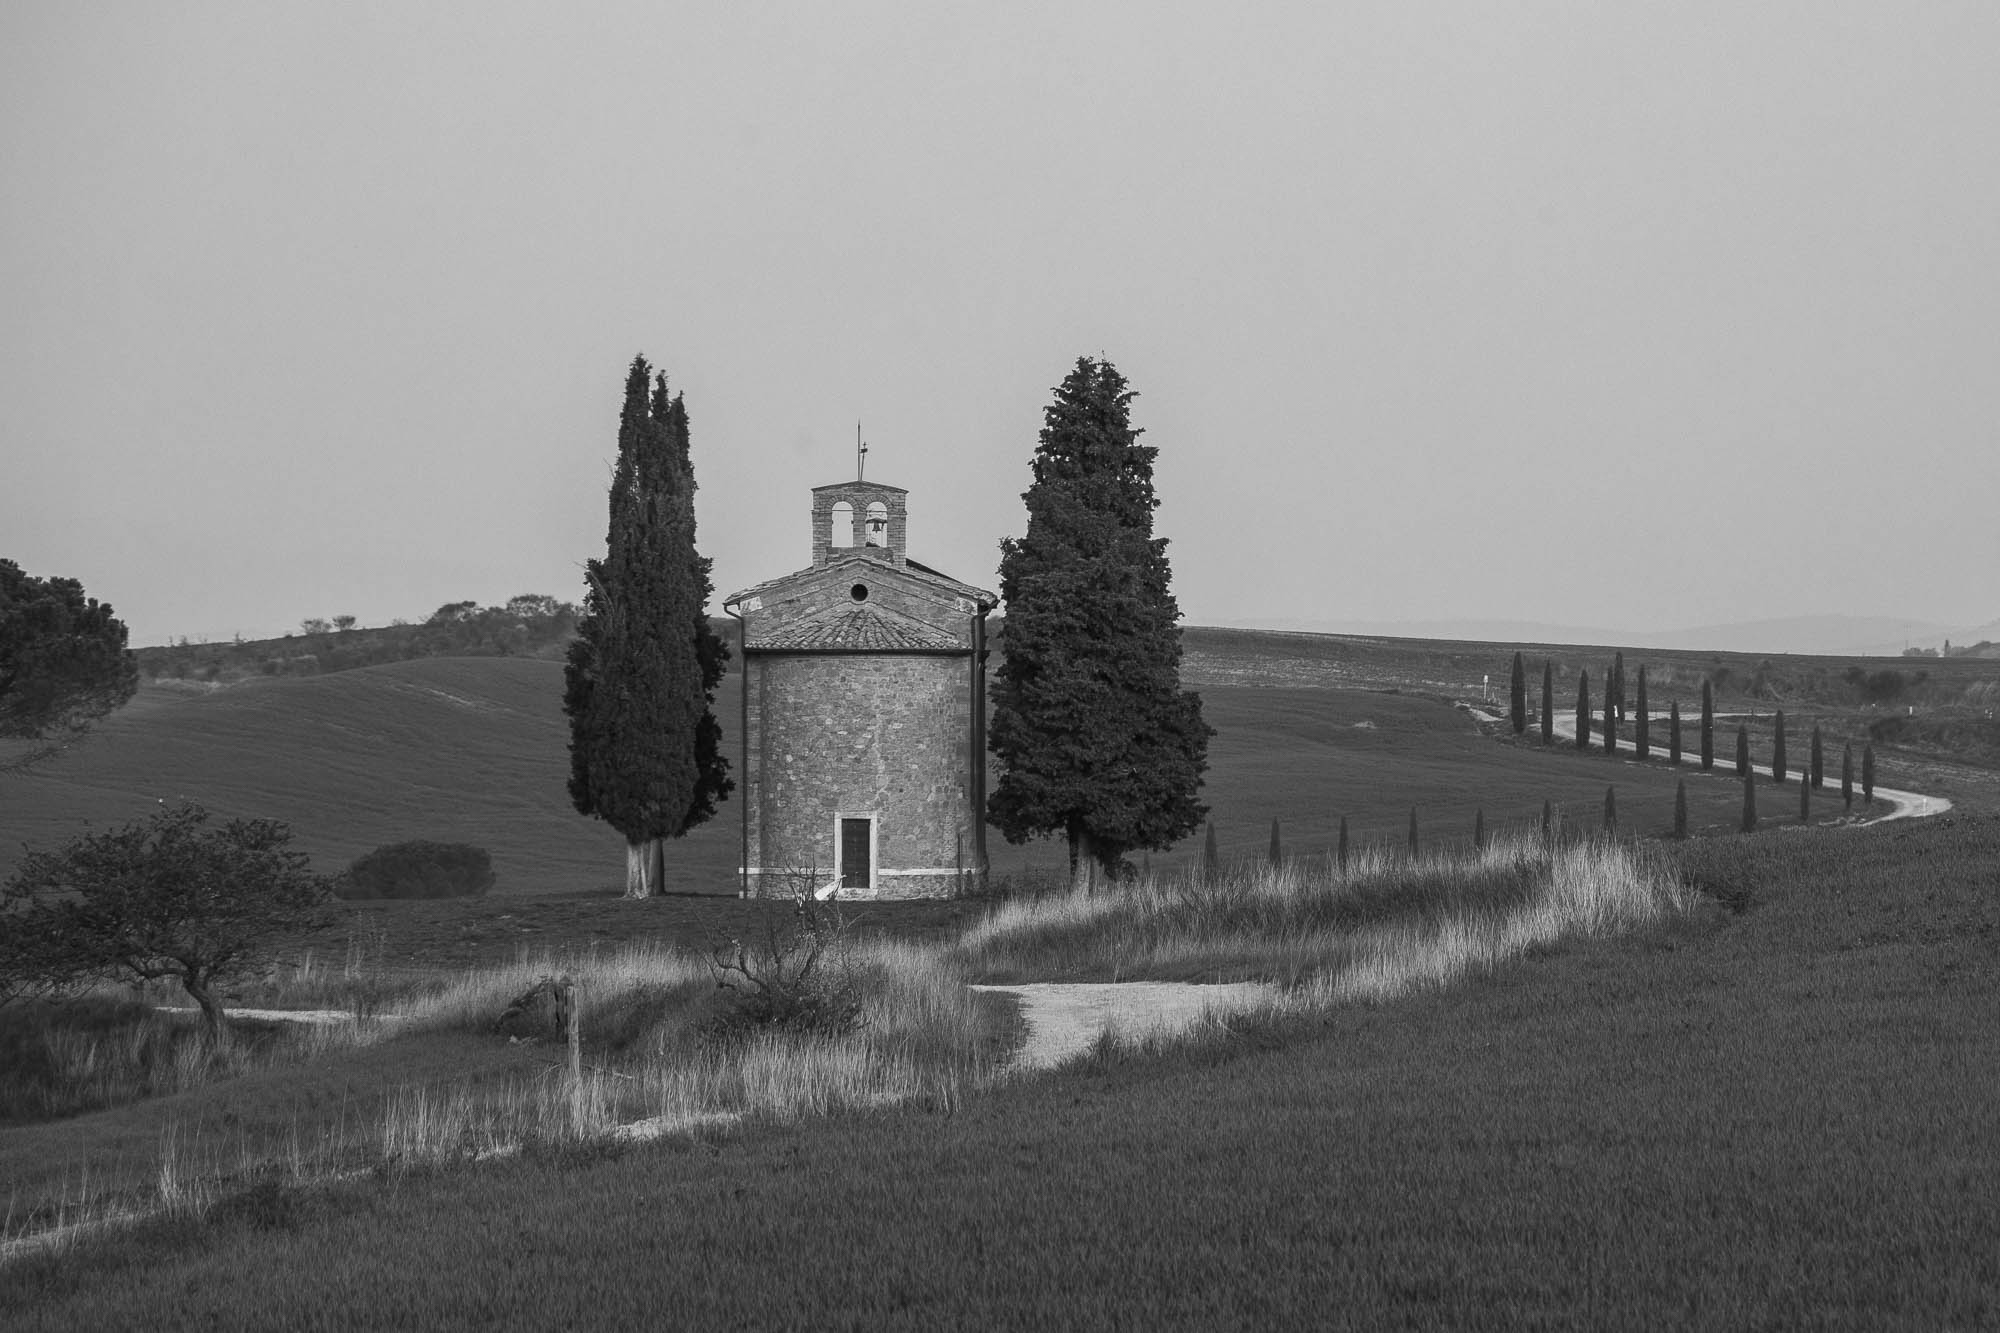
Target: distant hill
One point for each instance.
(1834, 636)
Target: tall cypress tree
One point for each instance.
(1611, 711)
(1642, 724)
(640, 676)
(1615, 687)
(1681, 808)
(1818, 758)
(1277, 847)
(1674, 733)
(1847, 775)
(1096, 738)
(1517, 696)
(1548, 703)
(1707, 725)
(1778, 750)
(1583, 710)
(1749, 803)
(1742, 750)
(1868, 773)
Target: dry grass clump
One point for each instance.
(1375, 928)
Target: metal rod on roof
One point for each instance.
(860, 453)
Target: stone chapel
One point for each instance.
(864, 713)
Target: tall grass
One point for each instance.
(1379, 926)
(660, 1052)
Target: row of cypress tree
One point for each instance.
(1812, 773)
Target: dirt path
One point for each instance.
(1901, 804)
(1064, 1019)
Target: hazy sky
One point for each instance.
(1629, 315)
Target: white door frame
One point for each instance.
(874, 819)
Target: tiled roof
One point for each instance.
(864, 627)
(924, 572)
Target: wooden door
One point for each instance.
(856, 853)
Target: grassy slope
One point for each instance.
(474, 749)
(1775, 1119)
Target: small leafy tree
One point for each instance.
(1778, 750)
(1868, 773)
(1707, 725)
(1517, 696)
(1548, 703)
(1749, 804)
(1583, 710)
(344, 623)
(1847, 775)
(1742, 750)
(1818, 758)
(1642, 724)
(171, 896)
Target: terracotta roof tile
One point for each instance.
(850, 627)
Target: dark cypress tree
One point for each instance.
(1583, 710)
(1681, 808)
(1749, 804)
(1211, 855)
(1548, 821)
(1642, 722)
(1616, 686)
(1707, 726)
(1611, 712)
(1340, 852)
(1868, 773)
(1674, 733)
(1277, 847)
(1818, 758)
(1413, 832)
(1517, 696)
(640, 676)
(1847, 776)
(1096, 738)
(1805, 799)
(1610, 809)
(1479, 829)
(1548, 703)
(1742, 750)
(1778, 750)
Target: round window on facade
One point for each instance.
(859, 592)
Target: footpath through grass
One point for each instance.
(1775, 1112)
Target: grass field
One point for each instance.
(1775, 1113)
(474, 750)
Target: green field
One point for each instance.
(1776, 1116)
(474, 750)
(1773, 1112)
